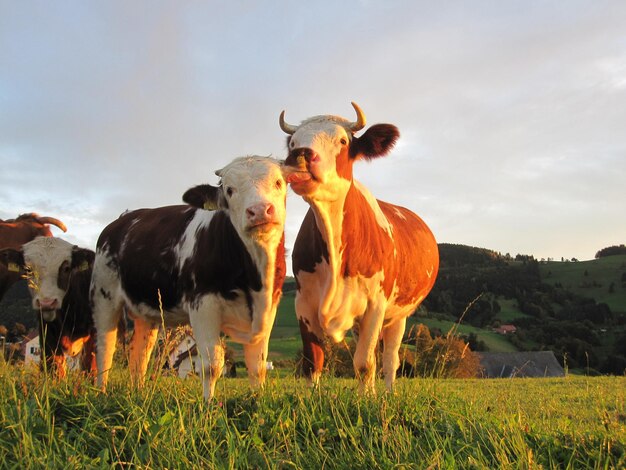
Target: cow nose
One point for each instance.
(301, 156)
(260, 212)
(47, 304)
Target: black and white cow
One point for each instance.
(58, 276)
(220, 270)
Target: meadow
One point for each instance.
(571, 422)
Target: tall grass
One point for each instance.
(426, 423)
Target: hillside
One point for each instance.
(551, 304)
(603, 279)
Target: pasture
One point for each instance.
(600, 279)
(573, 422)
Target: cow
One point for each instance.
(217, 263)
(59, 275)
(15, 232)
(359, 263)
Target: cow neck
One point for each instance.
(329, 220)
(263, 254)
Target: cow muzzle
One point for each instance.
(260, 215)
(48, 308)
(298, 165)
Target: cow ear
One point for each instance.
(82, 258)
(203, 196)
(377, 141)
(12, 260)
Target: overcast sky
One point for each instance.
(512, 114)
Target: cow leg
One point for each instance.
(392, 339)
(141, 346)
(364, 356)
(311, 333)
(60, 365)
(106, 316)
(207, 334)
(256, 361)
(312, 354)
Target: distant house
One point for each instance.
(30, 348)
(185, 361)
(519, 364)
(506, 329)
(184, 357)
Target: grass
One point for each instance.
(590, 279)
(509, 311)
(573, 422)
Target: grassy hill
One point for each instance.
(600, 279)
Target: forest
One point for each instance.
(551, 313)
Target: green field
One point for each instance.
(510, 310)
(591, 279)
(572, 422)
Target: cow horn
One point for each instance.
(287, 128)
(53, 221)
(360, 119)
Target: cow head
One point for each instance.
(48, 263)
(15, 232)
(253, 191)
(40, 225)
(322, 150)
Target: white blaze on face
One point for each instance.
(255, 191)
(45, 257)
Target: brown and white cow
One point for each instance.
(220, 270)
(359, 263)
(59, 275)
(15, 232)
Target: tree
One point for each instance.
(611, 251)
(19, 330)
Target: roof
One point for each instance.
(520, 364)
(31, 335)
(506, 329)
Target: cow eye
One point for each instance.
(229, 191)
(292, 144)
(344, 141)
(279, 184)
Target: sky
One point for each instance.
(512, 115)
